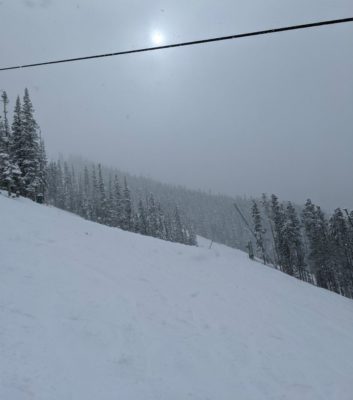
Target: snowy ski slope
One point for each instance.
(89, 312)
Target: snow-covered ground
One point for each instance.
(89, 312)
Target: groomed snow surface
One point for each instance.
(89, 312)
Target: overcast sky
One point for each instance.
(263, 114)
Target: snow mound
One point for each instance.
(90, 312)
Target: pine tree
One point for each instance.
(126, 220)
(152, 217)
(142, 220)
(60, 186)
(341, 251)
(191, 235)
(5, 102)
(18, 142)
(9, 171)
(110, 203)
(42, 173)
(292, 248)
(317, 232)
(79, 201)
(161, 230)
(277, 217)
(86, 205)
(6, 176)
(118, 210)
(178, 231)
(29, 164)
(52, 187)
(259, 231)
(102, 208)
(269, 241)
(3, 156)
(94, 195)
(168, 227)
(67, 195)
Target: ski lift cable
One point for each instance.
(183, 44)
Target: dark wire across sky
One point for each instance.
(183, 44)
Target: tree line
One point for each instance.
(109, 202)
(24, 171)
(306, 244)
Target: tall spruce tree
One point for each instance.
(86, 204)
(277, 216)
(259, 231)
(178, 231)
(317, 232)
(118, 209)
(292, 248)
(18, 139)
(341, 251)
(142, 219)
(30, 162)
(110, 203)
(9, 171)
(152, 217)
(5, 102)
(94, 194)
(42, 173)
(126, 220)
(102, 213)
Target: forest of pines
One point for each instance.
(24, 171)
(300, 241)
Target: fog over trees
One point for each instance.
(300, 240)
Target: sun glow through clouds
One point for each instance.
(157, 38)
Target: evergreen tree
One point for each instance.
(191, 236)
(18, 142)
(177, 229)
(168, 227)
(259, 231)
(277, 216)
(4, 156)
(126, 220)
(6, 172)
(5, 102)
(152, 217)
(142, 220)
(42, 173)
(292, 248)
(67, 195)
(102, 209)
(161, 230)
(29, 164)
(52, 192)
(268, 241)
(9, 171)
(118, 209)
(86, 205)
(341, 251)
(60, 187)
(317, 232)
(94, 195)
(110, 203)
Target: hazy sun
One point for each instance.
(157, 38)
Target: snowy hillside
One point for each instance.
(89, 312)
